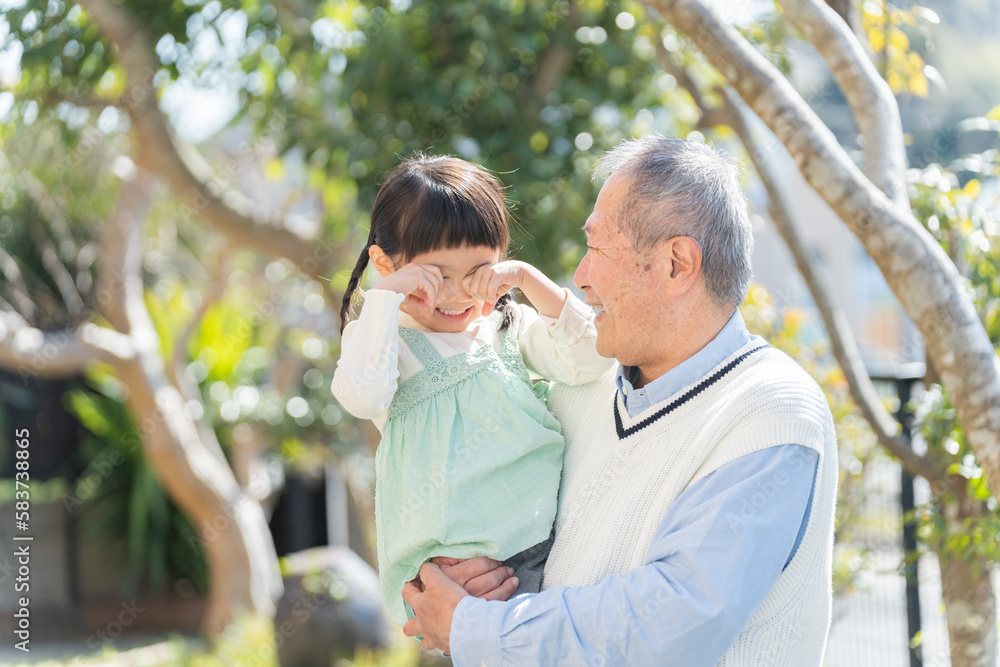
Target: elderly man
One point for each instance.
(695, 522)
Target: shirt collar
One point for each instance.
(475, 326)
(732, 337)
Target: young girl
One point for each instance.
(470, 459)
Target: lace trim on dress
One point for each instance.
(440, 373)
(440, 376)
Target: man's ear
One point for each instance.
(382, 263)
(684, 255)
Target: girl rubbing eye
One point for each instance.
(439, 357)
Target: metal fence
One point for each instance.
(894, 617)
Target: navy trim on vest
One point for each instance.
(688, 395)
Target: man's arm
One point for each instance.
(714, 559)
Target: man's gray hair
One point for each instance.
(685, 188)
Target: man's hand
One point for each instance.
(434, 596)
(480, 577)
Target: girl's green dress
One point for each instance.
(469, 463)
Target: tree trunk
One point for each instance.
(242, 562)
(967, 590)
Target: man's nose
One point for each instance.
(581, 277)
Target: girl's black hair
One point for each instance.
(434, 203)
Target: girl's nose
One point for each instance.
(454, 289)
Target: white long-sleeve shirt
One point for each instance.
(374, 361)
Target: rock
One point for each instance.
(332, 605)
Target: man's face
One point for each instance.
(618, 281)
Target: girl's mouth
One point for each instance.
(453, 315)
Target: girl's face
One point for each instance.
(454, 308)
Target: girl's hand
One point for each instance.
(419, 283)
(492, 282)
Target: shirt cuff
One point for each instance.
(383, 298)
(573, 322)
(475, 633)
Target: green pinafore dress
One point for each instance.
(469, 463)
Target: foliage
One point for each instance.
(532, 89)
(121, 498)
(247, 641)
(894, 35)
(49, 235)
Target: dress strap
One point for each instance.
(421, 348)
(510, 352)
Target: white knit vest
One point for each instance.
(621, 475)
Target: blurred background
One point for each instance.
(185, 187)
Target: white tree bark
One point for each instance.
(869, 96)
(842, 341)
(31, 352)
(916, 268)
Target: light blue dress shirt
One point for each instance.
(713, 561)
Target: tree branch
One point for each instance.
(33, 352)
(58, 272)
(869, 96)
(175, 365)
(710, 116)
(53, 98)
(122, 249)
(49, 204)
(229, 211)
(847, 12)
(186, 458)
(18, 288)
(916, 268)
(843, 344)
